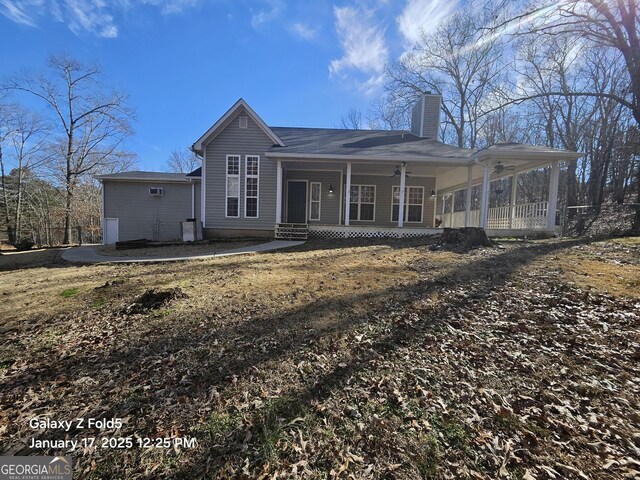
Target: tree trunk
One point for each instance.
(67, 213)
(7, 217)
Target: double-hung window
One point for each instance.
(252, 171)
(413, 202)
(316, 189)
(362, 201)
(233, 186)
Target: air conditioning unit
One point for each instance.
(156, 191)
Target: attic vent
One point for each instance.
(243, 122)
(156, 191)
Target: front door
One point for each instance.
(297, 202)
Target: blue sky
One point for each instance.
(185, 62)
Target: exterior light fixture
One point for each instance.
(331, 188)
(433, 193)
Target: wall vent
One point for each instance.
(156, 191)
(244, 121)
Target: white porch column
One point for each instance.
(347, 196)
(484, 205)
(403, 180)
(514, 197)
(553, 196)
(279, 192)
(467, 200)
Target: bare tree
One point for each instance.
(461, 64)
(183, 161)
(28, 141)
(6, 130)
(352, 120)
(607, 24)
(92, 122)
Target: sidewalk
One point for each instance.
(89, 255)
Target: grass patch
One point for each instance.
(69, 292)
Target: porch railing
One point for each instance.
(528, 216)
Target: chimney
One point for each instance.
(425, 116)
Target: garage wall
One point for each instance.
(141, 215)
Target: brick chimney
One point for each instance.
(425, 116)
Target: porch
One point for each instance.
(398, 199)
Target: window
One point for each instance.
(362, 201)
(233, 186)
(156, 191)
(316, 189)
(413, 200)
(252, 170)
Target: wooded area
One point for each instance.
(565, 75)
(73, 129)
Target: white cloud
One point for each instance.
(420, 16)
(304, 31)
(266, 15)
(364, 45)
(93, 16)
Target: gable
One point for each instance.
(240, 108)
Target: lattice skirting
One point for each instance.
(356, 232)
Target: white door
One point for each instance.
(110, 231)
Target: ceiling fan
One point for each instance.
(499, 168)
(397, 172)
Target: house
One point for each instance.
(263, 181)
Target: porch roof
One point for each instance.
(390, 145)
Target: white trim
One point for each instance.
(193, 200)
(279, 192)
(435, 202)
(359, 203)
(467, 205)
(424, 96)
(257, 177)
(403, 184)
(554, 178)
(306, 196)
(311, 201)
(347, 195)
(204, 139)
(226, 185)
(341, 193)
(104, 216)
(484, 205)
(406, 210)
(443, 162)
(145, 180)
(203, 189)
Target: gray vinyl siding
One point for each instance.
(233, 140)
(329, 202)
(384, 189)
(141, 215)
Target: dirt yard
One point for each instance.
(358, 361)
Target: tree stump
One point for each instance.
(465, 238)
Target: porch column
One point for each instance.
(514, 197)
(467, 200)
(553, 196)
(484, 205)
(403, 179)
(279, 192)
(444, 199)
(347, 196)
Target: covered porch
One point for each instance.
(338, 198)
